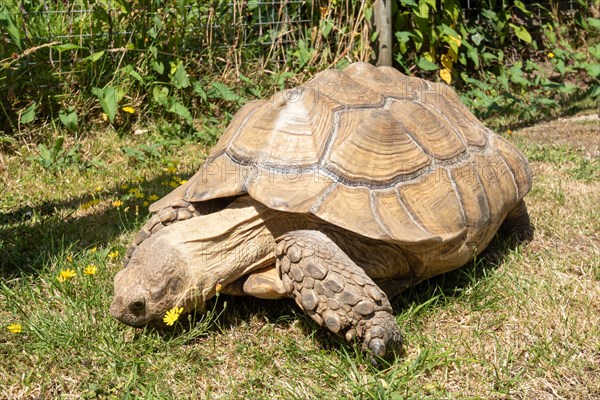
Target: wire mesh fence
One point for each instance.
(68, 47)
(84, 27)
(195, 26)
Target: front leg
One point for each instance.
(336, 292)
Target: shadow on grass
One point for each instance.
(30, 237)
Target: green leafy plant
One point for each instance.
(56, 157)
(142, 153)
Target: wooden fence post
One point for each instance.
(382, 18)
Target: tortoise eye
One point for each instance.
(175, 285)
(159, 291)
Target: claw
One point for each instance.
(377, 347)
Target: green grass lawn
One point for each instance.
(515, 323)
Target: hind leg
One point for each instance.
(335, 292)
(517, 223)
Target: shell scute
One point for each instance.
(287, 129)
(433, 203)
(371, 145)
(432, 133)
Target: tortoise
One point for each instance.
(340, 194)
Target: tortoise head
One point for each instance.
(154, 281)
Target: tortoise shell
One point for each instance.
(371, 150)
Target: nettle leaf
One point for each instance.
(531, 66)
(130, 70)
(221, 91)
(522, 7)
(431, 3)
(160, 95)
(404, 36)
(108, 98)
(477, 38)
(426, 65)
(6, 21)
(568, 89)
(560, 67)
(69, 119)
(409, 3)
(198, 89)
(521, 33)
(593, 23)
(326, 26)
(58, 146)
(369, 14)
(474, 55)
(158, 66)
(28, 115)
(66, 47)
(180, 77)
(516, 76)
(547, 102)
(173, 106)
(94, 57)
(592, 69)
(446, 30)
(595, 51)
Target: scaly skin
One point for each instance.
(181, 210)
(335, 292)
(518, 224)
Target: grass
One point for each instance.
(515, 323)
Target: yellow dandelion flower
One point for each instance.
(113, 254)
(173, 184)
(218, 287)
(93, 250)
(551, 55)
(509, 132)
(181, 182)
(139, 195)
(128, 109)
(146, 203)
(66, 274)
(117, 203)
(124, 186)
(15, 328)
(91, 269)
(70, 258)
(153, 197)
(139, 179)
(170, 169)
(98, 188)
(172, 315)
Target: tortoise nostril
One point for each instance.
(137, 305)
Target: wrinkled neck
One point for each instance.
(219, 248)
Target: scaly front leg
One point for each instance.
(336, 292)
